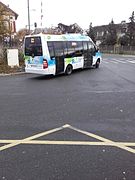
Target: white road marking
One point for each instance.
(132, 62)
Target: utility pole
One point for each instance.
(41, 13)
(28, 15)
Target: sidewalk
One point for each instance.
(11, 74)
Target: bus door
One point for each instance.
(59, 64)
(88, 55)
(56, 54)
(59, 56)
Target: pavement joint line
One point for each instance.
(103, 141)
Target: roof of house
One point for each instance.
(9, 10)
(105, 27)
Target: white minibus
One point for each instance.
(55, 54)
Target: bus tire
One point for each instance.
(69, 70)
(97, 64)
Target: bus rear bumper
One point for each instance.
(38, 71)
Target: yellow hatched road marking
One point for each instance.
(89, 143)
(15, 143)
(103, 141)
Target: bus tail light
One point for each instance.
(45, 64)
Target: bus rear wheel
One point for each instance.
(69, 70)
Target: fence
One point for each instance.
(129, 50)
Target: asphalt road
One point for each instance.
(77, 127)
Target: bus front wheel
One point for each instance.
(97, 64)
(69, 70)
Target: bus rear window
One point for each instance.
(33, 46)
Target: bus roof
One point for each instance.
(62, 37)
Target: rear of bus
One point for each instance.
(37, 55)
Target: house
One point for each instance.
(9, 18)
(121, 28)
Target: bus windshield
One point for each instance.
(33, 46)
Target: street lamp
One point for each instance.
(28, 15)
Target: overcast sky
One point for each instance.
(99, 12)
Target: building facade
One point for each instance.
(121, 29)
(9, 17)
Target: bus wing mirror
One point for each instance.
(52, 58)
(94, 53)
(97, 49)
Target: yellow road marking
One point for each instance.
(103, 141)
(90, 143)
(15, 143)
(127, 143)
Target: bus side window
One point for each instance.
(65, 50)
(51, 49)
(71, 49)
(79, 49)
(58, 46)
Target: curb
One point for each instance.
(11, 74)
